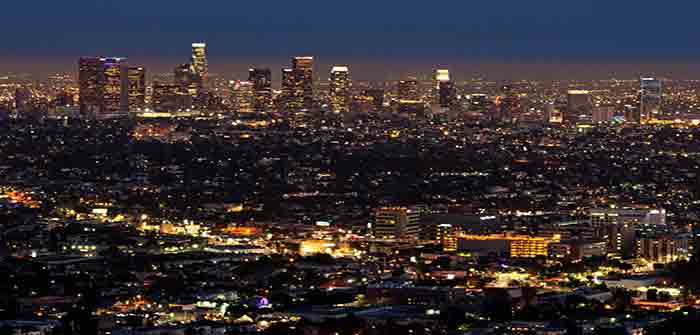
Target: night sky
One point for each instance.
(506, 29)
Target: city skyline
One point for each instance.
(361, 168)
(390, 69)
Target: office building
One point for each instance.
(578, 104)
(645, 216)
(650, 97)
(90, 81)
(508, 105)
(661, 249)
(262, 89)
(618, 226)
(514, 245)
(137, 89)
(200, 67)
(339, 87)
(304, 76)
(167, 98)
(188, 85)
(441, 76)
(377, 96)
(447, 94)
(116, 86)
(447, 236)
(396, 223)
(292, 95)
(243, 96)
(103, 86)
(408, 90)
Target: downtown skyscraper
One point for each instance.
(445, 89)
(339, 89)
(104, 86)
(261, 78)
(304, 66)
(297, 85)
(137, 88)
(200, 66)
(650, 97)
(408, 90)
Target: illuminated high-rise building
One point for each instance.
(167, 98)
(441, 75)
(340, 89)
(243, 96)
(445, 91)
(304, 73)
(262, 89)
(200, 67)
(137, 89)
(650, 97)
(116, 85)
(447, 94)
(408, 90)
(103, 86)
(91, 79)
(186, 80)
(292, 93)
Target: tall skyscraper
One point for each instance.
(340, 89)
(90, 81)
(199, 63)
(303, 66)
(445, 91)
(292, 94)
(243, 96)
(262, 89)
(447, 94)
(104, 86)
(137, 89)
(116, 85)
(408, 90)
(441, 75)
(649, 99)
(186, 80)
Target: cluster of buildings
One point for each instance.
(108, 87)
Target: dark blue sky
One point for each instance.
(480, 29)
